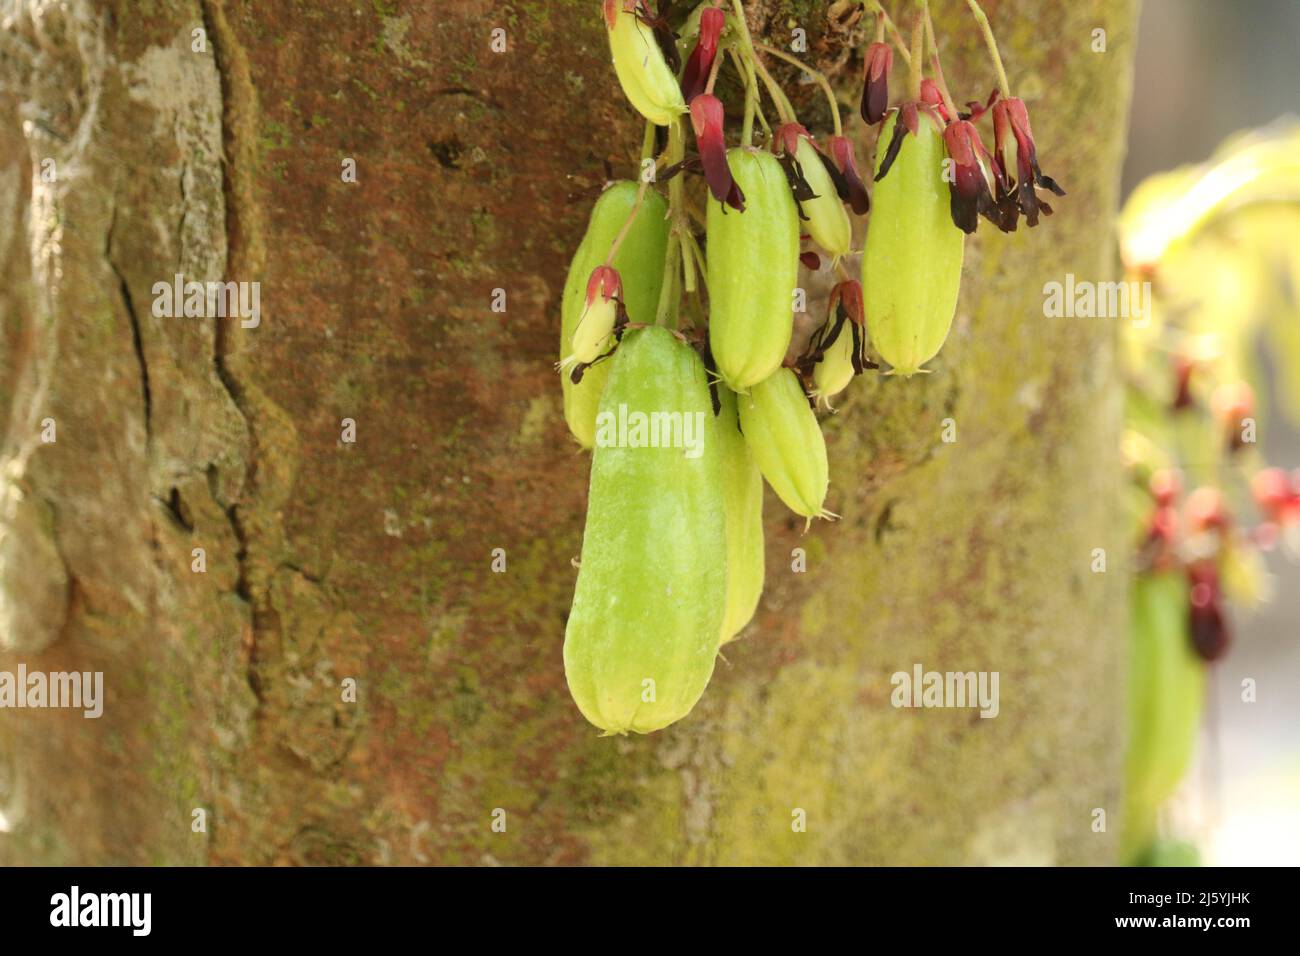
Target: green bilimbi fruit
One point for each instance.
(647, 613)
(782, 432)
(912, 267)
(753, 262)
(1166, 694)
(742, 499)
(640, 264)
(647, 81)
(828, 220)
(834, 372)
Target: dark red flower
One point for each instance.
(842, 164)
(810, 260)
(785, 144)
(969, 189)
(707, 117)
(700, 65)
(1209, 626)
(1013, 137)
(875, 88)
(849, 295)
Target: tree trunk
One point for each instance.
(219, 155)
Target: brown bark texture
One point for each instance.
(328, 560)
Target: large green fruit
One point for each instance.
(647, 613)
(912, 267)
(640, 264)
(753, 259)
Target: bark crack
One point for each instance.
(137, 339)
(243, 256)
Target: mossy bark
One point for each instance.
(371, 560)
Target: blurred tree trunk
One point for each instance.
(219, 154)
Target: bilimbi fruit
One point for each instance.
(840, 344)
(648, 608)
(753, 268)
(1166, 691)
(912, 267)
(782, 431)
(742, 500)
(594, 335)
(638, 261)
(827, 221)
(647, 80)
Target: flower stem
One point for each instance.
(938, 67)
(676, 214)
(783, 108)
(753, 109)
(918, 52)
(992, 44)
(820, 78)
(647, 152)
(893, 30)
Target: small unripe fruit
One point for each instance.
(834, 372)
(595, 332)
(640, 264)
(647, 81)
(782, 432)
(828, 221)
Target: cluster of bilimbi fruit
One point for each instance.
(672, 559)
(1216, 241)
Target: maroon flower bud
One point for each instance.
(707, 118)
(811, 261)
(1209, 627)
(700, 65)
(931, 97)
(843, 167)
(970, 191)
(1014, 142)
(875, 89)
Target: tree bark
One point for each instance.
(371, 560)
